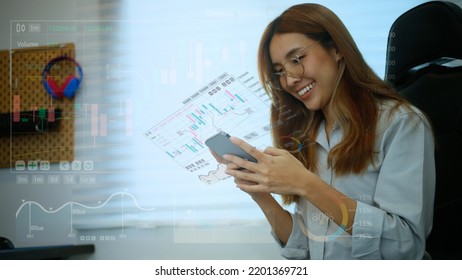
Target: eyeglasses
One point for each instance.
(293, 68)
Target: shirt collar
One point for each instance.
(335, 136)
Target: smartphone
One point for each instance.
(220, 144)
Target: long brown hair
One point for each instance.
(353, 105)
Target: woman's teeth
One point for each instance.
(306, 89)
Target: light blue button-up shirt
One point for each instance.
(394, 197)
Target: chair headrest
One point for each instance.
(437, 91)
(421, 35)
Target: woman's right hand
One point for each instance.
(278, 218)
(256, 196)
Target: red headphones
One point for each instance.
(70, 85)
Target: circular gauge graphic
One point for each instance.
(291, 144)
(330, 237)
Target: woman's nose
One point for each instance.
(292, 80)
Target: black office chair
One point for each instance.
(422, 45)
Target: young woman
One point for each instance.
(355, 158)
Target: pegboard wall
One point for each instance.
(21, 84)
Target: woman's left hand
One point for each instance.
(277, 171)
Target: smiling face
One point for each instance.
(314, 86)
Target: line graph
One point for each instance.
(33, 219)
(72, 203)
(236, 105)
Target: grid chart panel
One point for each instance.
(236, 105)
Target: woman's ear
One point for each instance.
(337, 55)
(334, 51)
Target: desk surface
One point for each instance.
(46, 252)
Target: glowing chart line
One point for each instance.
(27, 203)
